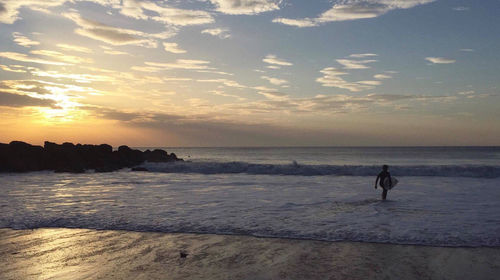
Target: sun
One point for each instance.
(64, 110)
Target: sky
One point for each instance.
(250, 72)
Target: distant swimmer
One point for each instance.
(381, 178)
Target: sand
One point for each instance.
(57, 253)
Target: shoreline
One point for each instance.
(59, 253)
(261, 237)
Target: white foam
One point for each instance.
(442, 211)
(475, 171)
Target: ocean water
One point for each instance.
(445, 197)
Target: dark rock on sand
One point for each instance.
(22, 157)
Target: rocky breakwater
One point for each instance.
(22, 157)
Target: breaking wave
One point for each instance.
(473, 171)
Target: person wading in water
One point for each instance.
(381, 176)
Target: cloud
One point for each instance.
(226, 82)
(245, 7)
(167, 15)
(362, 55)
(17, 100)
(272, 59)
(114, 35)
(274, 95)
(371, 83)
(152, 10)
(467, 50)
(189, 64)
(382, 76)
(112, 52)
(461, 9)
(24, 41)
(221, 93)
(355, 64)
(67, 47)
(353, 10)
(25, 58)
(62, 57)
(13, 68)
(173, 48)
(275, 81)
(222, 33)
(9, 9)
(215, 72)
(440, 60)
(79, 78)
(332, 78)
(307, 22)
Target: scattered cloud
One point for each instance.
(370, 83)
(221, 93)
(440, 60)
(173, 48)
(467, 50)
(62, 57)
(17, 100)
(307, 22)
(461, 9)
(382, 76)
(13, 68)
(24, 41)
(275, 81)
(189, 64)
(225, 82)
(113, 52)
(114, 35)
(272, 59)
(245, 7)
(362, 55)
(353, 10)
(222, 33)
(9, 9)
(332, 78)
(274, 95)
(215, 72)
(25, 58)
(79, 78)
(152, 10)
(355, 64)
(67, 47)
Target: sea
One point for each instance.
(446, 196)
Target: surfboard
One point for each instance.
(387, 183)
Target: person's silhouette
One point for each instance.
(381, 176)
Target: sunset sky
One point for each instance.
(250, 72)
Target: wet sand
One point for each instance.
(91, 254)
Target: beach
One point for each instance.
(60, 253)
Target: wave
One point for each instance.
(473, 171)
(349, 235)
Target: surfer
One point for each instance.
(381, 176)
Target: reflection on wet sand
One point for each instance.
(91, 254)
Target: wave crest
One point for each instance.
(473, 171)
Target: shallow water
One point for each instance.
(446, 211)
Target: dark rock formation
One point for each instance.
(22, 157)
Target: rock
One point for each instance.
(22, 157)
(19, 156)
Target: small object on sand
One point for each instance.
(183, 254)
